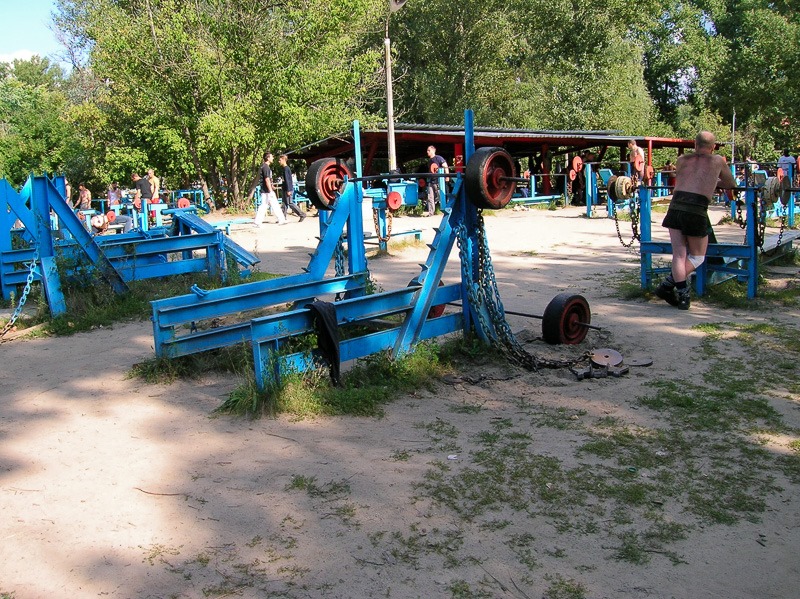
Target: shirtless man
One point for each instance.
(634, 152)
(697, 175)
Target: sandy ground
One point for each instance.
(112, 487)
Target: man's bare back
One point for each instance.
(702, 172)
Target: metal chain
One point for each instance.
(484, 298)
(389, 220)
(24, 297)
(739, 216)
(338, 258)
(636, 236)
(761, 222)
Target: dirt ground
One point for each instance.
(116, 488)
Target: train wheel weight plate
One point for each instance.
(394, 200)
(564, 319)
(488, 178)
(324, 181)
(612, 188)
(606, 357)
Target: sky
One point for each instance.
(24, 30)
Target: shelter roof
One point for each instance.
(412, 140)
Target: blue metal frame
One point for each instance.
(41, 209)
(740, 260)
(268, 334)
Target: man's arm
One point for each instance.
(726, 180)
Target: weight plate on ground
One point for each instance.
(606, 357)
(487, 180)
(324, 181)
(563, 319)
(394, 200)
(638, 361)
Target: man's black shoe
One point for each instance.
(667, 293)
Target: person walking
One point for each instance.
(287, 188)
(435, 162)
(268, 196)
(697, 175)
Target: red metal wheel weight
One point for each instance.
(81, 216)
(649, 171)
(780, 174)
(434, 168)
(394, 200)
(324, 181)
(638, 163)
(565, 318)
(435, 311)
(489, 177)
(572, 175)
(137, 203)
(422, 183)
(111, 216)
(577, 164)
(184, 203)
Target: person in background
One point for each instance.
(114, 195)
(669, 170)
(787, 163)
(634, 152)
(697, 175)
(155, 185)
(84, 197)
(268, 196)
(143, 192)
(68, 193)
(435, 162)
(287, 187)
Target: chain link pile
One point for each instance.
(484, 298)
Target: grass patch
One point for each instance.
(373, 381)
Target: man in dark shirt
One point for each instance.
(268, 196)
(435, 162)
(287, 187)
(144, 192)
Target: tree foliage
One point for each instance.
(199, 89)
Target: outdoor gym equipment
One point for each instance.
(50, 228)
(330, 185)
(740, 261)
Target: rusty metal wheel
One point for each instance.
(324, 181)
(565, 318)
(623, 188)
(487, 181)
(611, 188)
(435, 311)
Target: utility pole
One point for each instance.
(394, 6)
